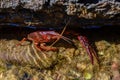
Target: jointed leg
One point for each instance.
(43, 46)
(24, 39)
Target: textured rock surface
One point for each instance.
(107, 7)
(39, 13)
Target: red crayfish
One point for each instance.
(39, 38)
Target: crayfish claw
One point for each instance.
(91, 52)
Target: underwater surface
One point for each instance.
(88, 48)
(24, 62)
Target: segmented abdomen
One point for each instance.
(25, 55)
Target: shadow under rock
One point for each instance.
(108, 33)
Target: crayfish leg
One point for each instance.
(48, 48)
(43, 47)
(24, 39)
(37, 47)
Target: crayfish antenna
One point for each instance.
(67, 39)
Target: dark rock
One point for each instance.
(39, 13)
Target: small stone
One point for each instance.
(101, 53)
(81, 66)
(87, 75)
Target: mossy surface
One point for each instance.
(24, 62)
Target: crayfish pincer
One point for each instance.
(90, 51)
(40, 38)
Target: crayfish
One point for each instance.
(40, 38)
